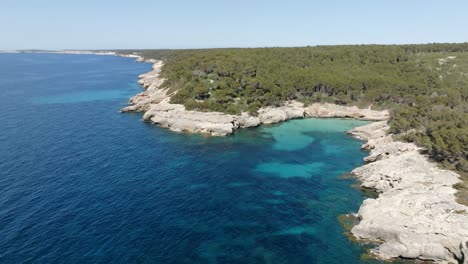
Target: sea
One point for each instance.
(81, 182)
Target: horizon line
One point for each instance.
(230, 47)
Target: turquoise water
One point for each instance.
(82, 183)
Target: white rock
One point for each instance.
(332, 110)
(246, 120)
(289, 110)
(177, 118)
(416, 214)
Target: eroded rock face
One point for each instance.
(177, 118)
(332, 110)
(246, 120)
(416, 214)
(290, 110)
(152, 94)
(151, 80)
(154, 102)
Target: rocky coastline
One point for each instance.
(415, 215)
(154, 102)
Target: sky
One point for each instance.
(175, 24)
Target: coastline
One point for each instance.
(154, 102)
(415, 216)
(80, 52)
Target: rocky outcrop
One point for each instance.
(155, 103)
(151, 82)
(416, 214)
(177, 118)
(333, 110)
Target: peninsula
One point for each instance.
(418, 148)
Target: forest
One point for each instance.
(424, 86)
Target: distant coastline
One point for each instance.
(79, 52)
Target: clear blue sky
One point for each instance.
(102, 24)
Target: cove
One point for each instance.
(82, 183)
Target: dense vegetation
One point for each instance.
(424, 86)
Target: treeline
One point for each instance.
(424, 86)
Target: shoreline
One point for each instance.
(154, 102)
(137, 58)
(415, 215)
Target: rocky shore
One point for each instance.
(415, 215)
(154, 102)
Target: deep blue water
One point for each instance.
(82, 183)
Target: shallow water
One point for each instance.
(82, 183)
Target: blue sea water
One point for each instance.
(82, 183)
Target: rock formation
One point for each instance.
(416, 214)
